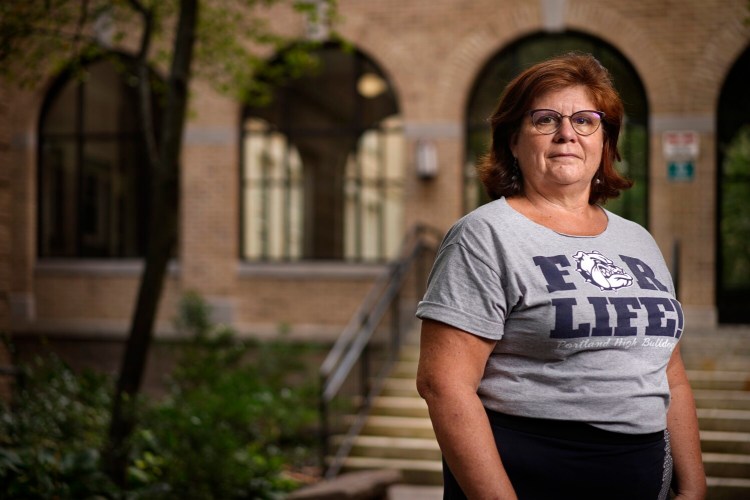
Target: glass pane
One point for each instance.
(733, 210)
(273, 196)
(735, 223)
(108, 108)
(99, 201)
(394, 145)
(58, 193)
(373, 215)
(633, 165)
(62, 113)
(393, 214)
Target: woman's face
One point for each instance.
(564, 161)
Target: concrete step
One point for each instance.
(724, 340)
(399, 407)
(730, 400)
(415, 492)
(399, 435)
(717, 349)
(727, 465)
(725, 442)
(427, 472)
(396, 448)
(405, 369)
(409, 352)
(717, 419)
(400, 387)
(720, 488)
(717, 361)
(728, 488)
(718, 365)
(735, 380)
(408, 427)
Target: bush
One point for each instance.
(51, 437)
(236, 417)
(228, 427)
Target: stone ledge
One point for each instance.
(362, 485)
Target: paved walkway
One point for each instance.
(412, 492)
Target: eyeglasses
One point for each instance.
(548, 121)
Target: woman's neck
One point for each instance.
(574, 216)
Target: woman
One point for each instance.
(549, 357)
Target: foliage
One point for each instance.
(735, 223)
(234, 39)
(49, 439)
(236, 418)
(226, 420)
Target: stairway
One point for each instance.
(398, 433)
(718, 364)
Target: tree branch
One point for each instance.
(83, 16)
(138, 7)
(144, 83)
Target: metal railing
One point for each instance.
(353, 373)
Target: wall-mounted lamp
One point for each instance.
(426, 159)
(371, 85)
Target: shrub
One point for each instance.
(50, 438)
(231, 422)
(237, 416)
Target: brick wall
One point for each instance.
(432, 51)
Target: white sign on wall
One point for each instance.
(681, 144)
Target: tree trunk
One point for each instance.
(162, 236)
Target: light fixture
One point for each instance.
(371, 85)
(426, 159)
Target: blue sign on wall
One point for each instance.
(680, 170)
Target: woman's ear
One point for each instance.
(513, 144)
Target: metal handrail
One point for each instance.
(352, 345)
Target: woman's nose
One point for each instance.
(565, 132)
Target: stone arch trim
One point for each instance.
(464, 63)
(716, 60)
(385, 55)
(636, 44)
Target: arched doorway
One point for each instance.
(733, 196)
(509, 62)
(323, 166)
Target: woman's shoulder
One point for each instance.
(621, 223)
(627, 229)
(482, 222)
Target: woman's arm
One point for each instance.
(451, 365)
(682, 423)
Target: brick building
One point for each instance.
(288, 213)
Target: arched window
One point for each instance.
(323, 166)
(733, 198)
(511, 61)
(93, 171)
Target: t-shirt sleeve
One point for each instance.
(464, 292)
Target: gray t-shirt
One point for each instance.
(585, 325)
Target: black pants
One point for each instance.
(551, 459)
